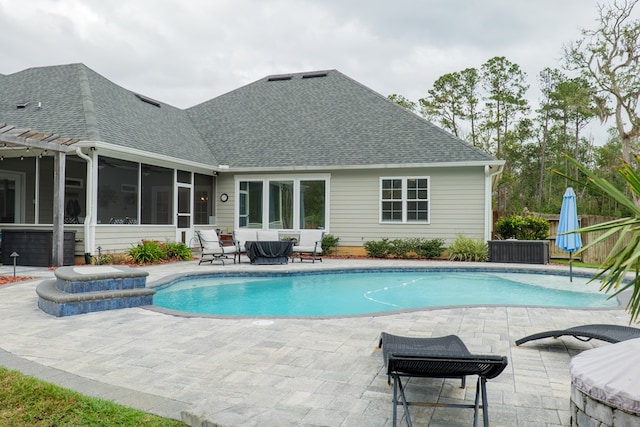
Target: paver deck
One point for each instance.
(288, 372)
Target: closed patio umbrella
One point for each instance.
(570, 242)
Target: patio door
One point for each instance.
(184, 229)
(11, 197)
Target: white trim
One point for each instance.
(296, 179)
(404, 200)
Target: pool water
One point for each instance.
(346, 293)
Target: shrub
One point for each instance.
(177, 251)
(149, 251)
(520, 227)
(401, 248)
(429, 248)
(467, 249)
(112, 259)
(329, 244)
(379, 249)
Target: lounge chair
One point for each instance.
(441, 357)
(608, 333)
(309, 246)
(212, 249)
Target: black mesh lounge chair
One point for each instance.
(608, 333)
(441, 357)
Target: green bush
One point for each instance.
(405, 248)
(467, 249)
(177, 251)
(147, 252)
(520, 227)
(429, 248)
(401, 248)
(329, 244)
(379, 249)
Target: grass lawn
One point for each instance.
(26, 401)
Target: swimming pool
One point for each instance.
(347, 293)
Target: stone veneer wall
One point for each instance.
(589, 412)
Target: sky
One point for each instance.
(184, 52)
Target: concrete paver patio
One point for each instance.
(289, 372)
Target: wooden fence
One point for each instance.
(594, 255)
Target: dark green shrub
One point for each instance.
(467, 249)
(149, 251)
(177, 251)
(329, 244)
(401, 248)
(379, 249)
(429, 248)
(520, 227)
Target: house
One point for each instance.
(287, 152)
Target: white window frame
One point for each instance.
(296, 191)
(404, 200)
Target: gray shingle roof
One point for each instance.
(78, 102)
(315, 119)
(326, 120)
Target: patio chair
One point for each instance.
(441, 357)
(242, 236)
(608, 333)
(309, 246)
(212, 249)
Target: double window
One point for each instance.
(404, 199)
(283, 203)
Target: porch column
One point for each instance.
(58, 209)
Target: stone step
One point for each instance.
(85, 289)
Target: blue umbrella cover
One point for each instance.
(569, 222)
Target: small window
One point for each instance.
(314, 75)
(404, 199)
(148, 100)
(278, 78)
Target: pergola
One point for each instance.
(13, 139)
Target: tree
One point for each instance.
(505, 84)
(624, 257)
(609, 59)
(444, 103)
(403, 102)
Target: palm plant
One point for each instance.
(623, 261)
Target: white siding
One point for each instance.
(121, 238)
(457, 205)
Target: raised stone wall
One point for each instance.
(589, 412)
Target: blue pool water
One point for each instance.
(346, 293)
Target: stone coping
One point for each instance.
(97, 272)
(47, 290)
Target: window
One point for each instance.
(116, 203)
(250, 207)
(312, 204)
(281, 205)
(156, 206)
(202, 199)
(404, 199)
(289, 203)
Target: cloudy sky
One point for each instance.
(184, 52)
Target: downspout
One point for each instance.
(89, 226)
(490, 177)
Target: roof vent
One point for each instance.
(148, 100)
(21, 105)
(278, 78)
(314, 75)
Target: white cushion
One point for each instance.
(209, 239)
(268, 235)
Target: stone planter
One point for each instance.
(519, 251)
